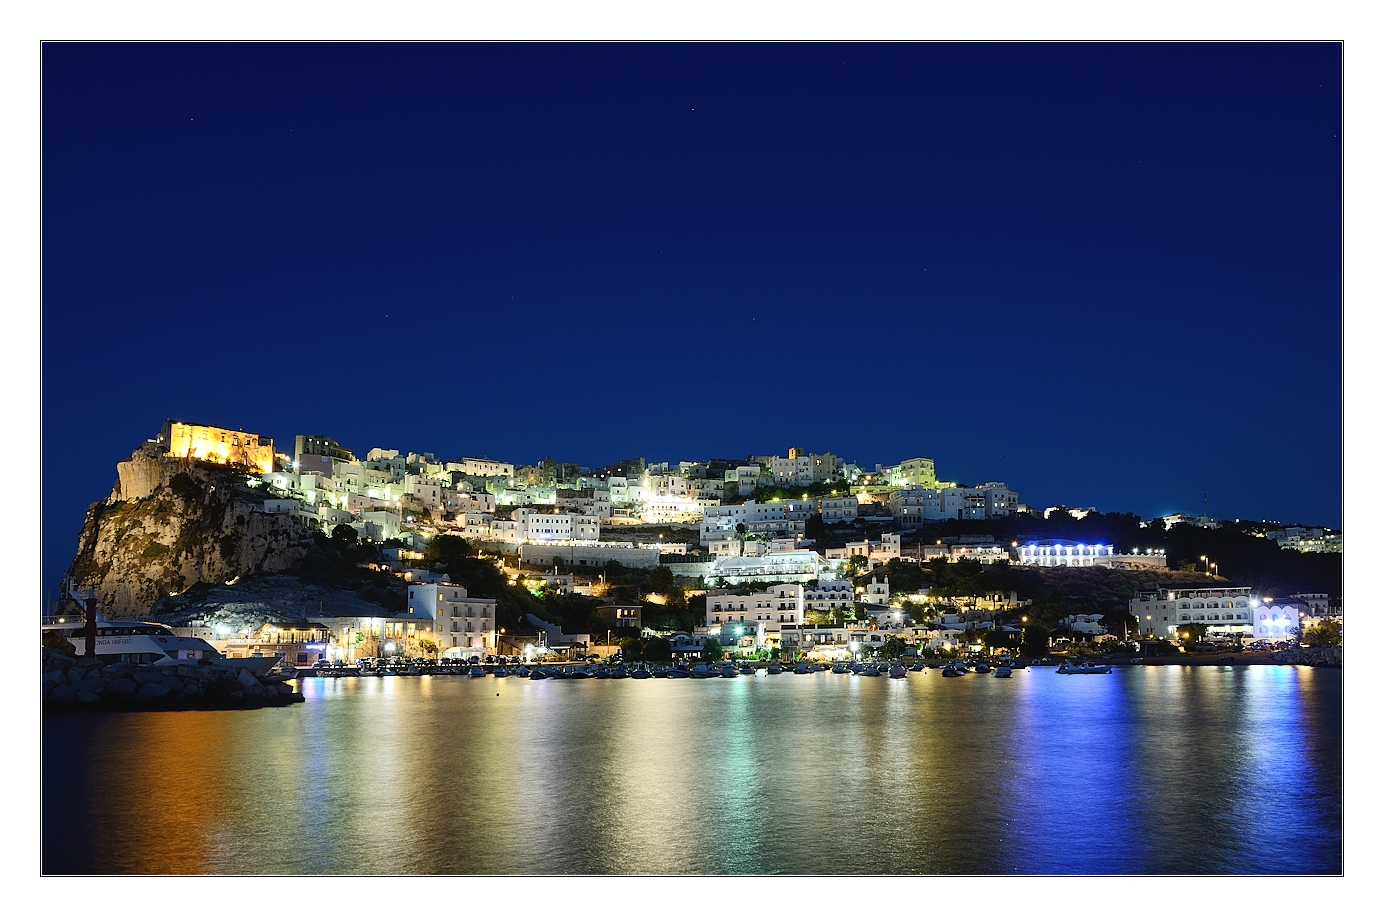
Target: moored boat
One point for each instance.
(898, 671)
(1082, 668)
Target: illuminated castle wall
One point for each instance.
(213, 444)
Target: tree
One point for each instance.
(1327, 633)
(445, 550)
(893, 648)
(344, 534)
(1191, 633)
(660, 580)
(712, 651)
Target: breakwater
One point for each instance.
(70, 681)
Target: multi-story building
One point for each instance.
(745, 479)
(1224, 610)
(915, 505)
(720, 522)
(784, 566)
(463, 625)
(537, 525)
(829, 595)
(796, 470)
(779, 605)
(914, 472)
(839, 509)
(482, 468)
(1055, 553)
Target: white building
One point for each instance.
(482, 468)
(915, 505)
(1225, 611)
(746, 478)
(779, 605)
(427, 490)
(1068, 554)
(464, 626)
(787, 567)
(538, 526)
(829, 595)
(839, 509)
(785, 518)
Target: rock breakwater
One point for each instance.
(1330, 657)
(70, 681)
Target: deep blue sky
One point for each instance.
(1106, 274)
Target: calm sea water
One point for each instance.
(1168, 770)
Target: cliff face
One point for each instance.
(172, 523)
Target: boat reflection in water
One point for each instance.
(638, 778)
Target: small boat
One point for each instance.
(1003, 671)
(679, 673)
(704, 671)
(1082, 668)
(982, 669)
(775, 669)
(729, 671)
(802, 668)
(917, 667)
(641, 673)
(476, 672)
(857, 669)
(747, 670)
(952, 670)
(502, 672)
(537, 674)
(840, 669)
(898, 671)
(523, 671)
(872, 671)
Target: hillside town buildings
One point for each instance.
(748, 522)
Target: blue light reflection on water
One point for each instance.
(1144, 771)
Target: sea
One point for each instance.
(1167, 770)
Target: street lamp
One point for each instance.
(1207, 562)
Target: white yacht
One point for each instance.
(140, 642)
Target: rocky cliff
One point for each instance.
(169, 524)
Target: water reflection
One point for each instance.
(1157, 770)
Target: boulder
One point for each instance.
(122, 687)
(52, 677)
(246, 679)
(93, 684)
(63, 694)
(153, 690)
(86, 697)
(148, 676)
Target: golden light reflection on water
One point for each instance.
(793, 774)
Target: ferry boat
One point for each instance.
(140, 642)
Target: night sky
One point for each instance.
(1108, 275)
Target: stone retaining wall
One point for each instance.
(70, 681)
